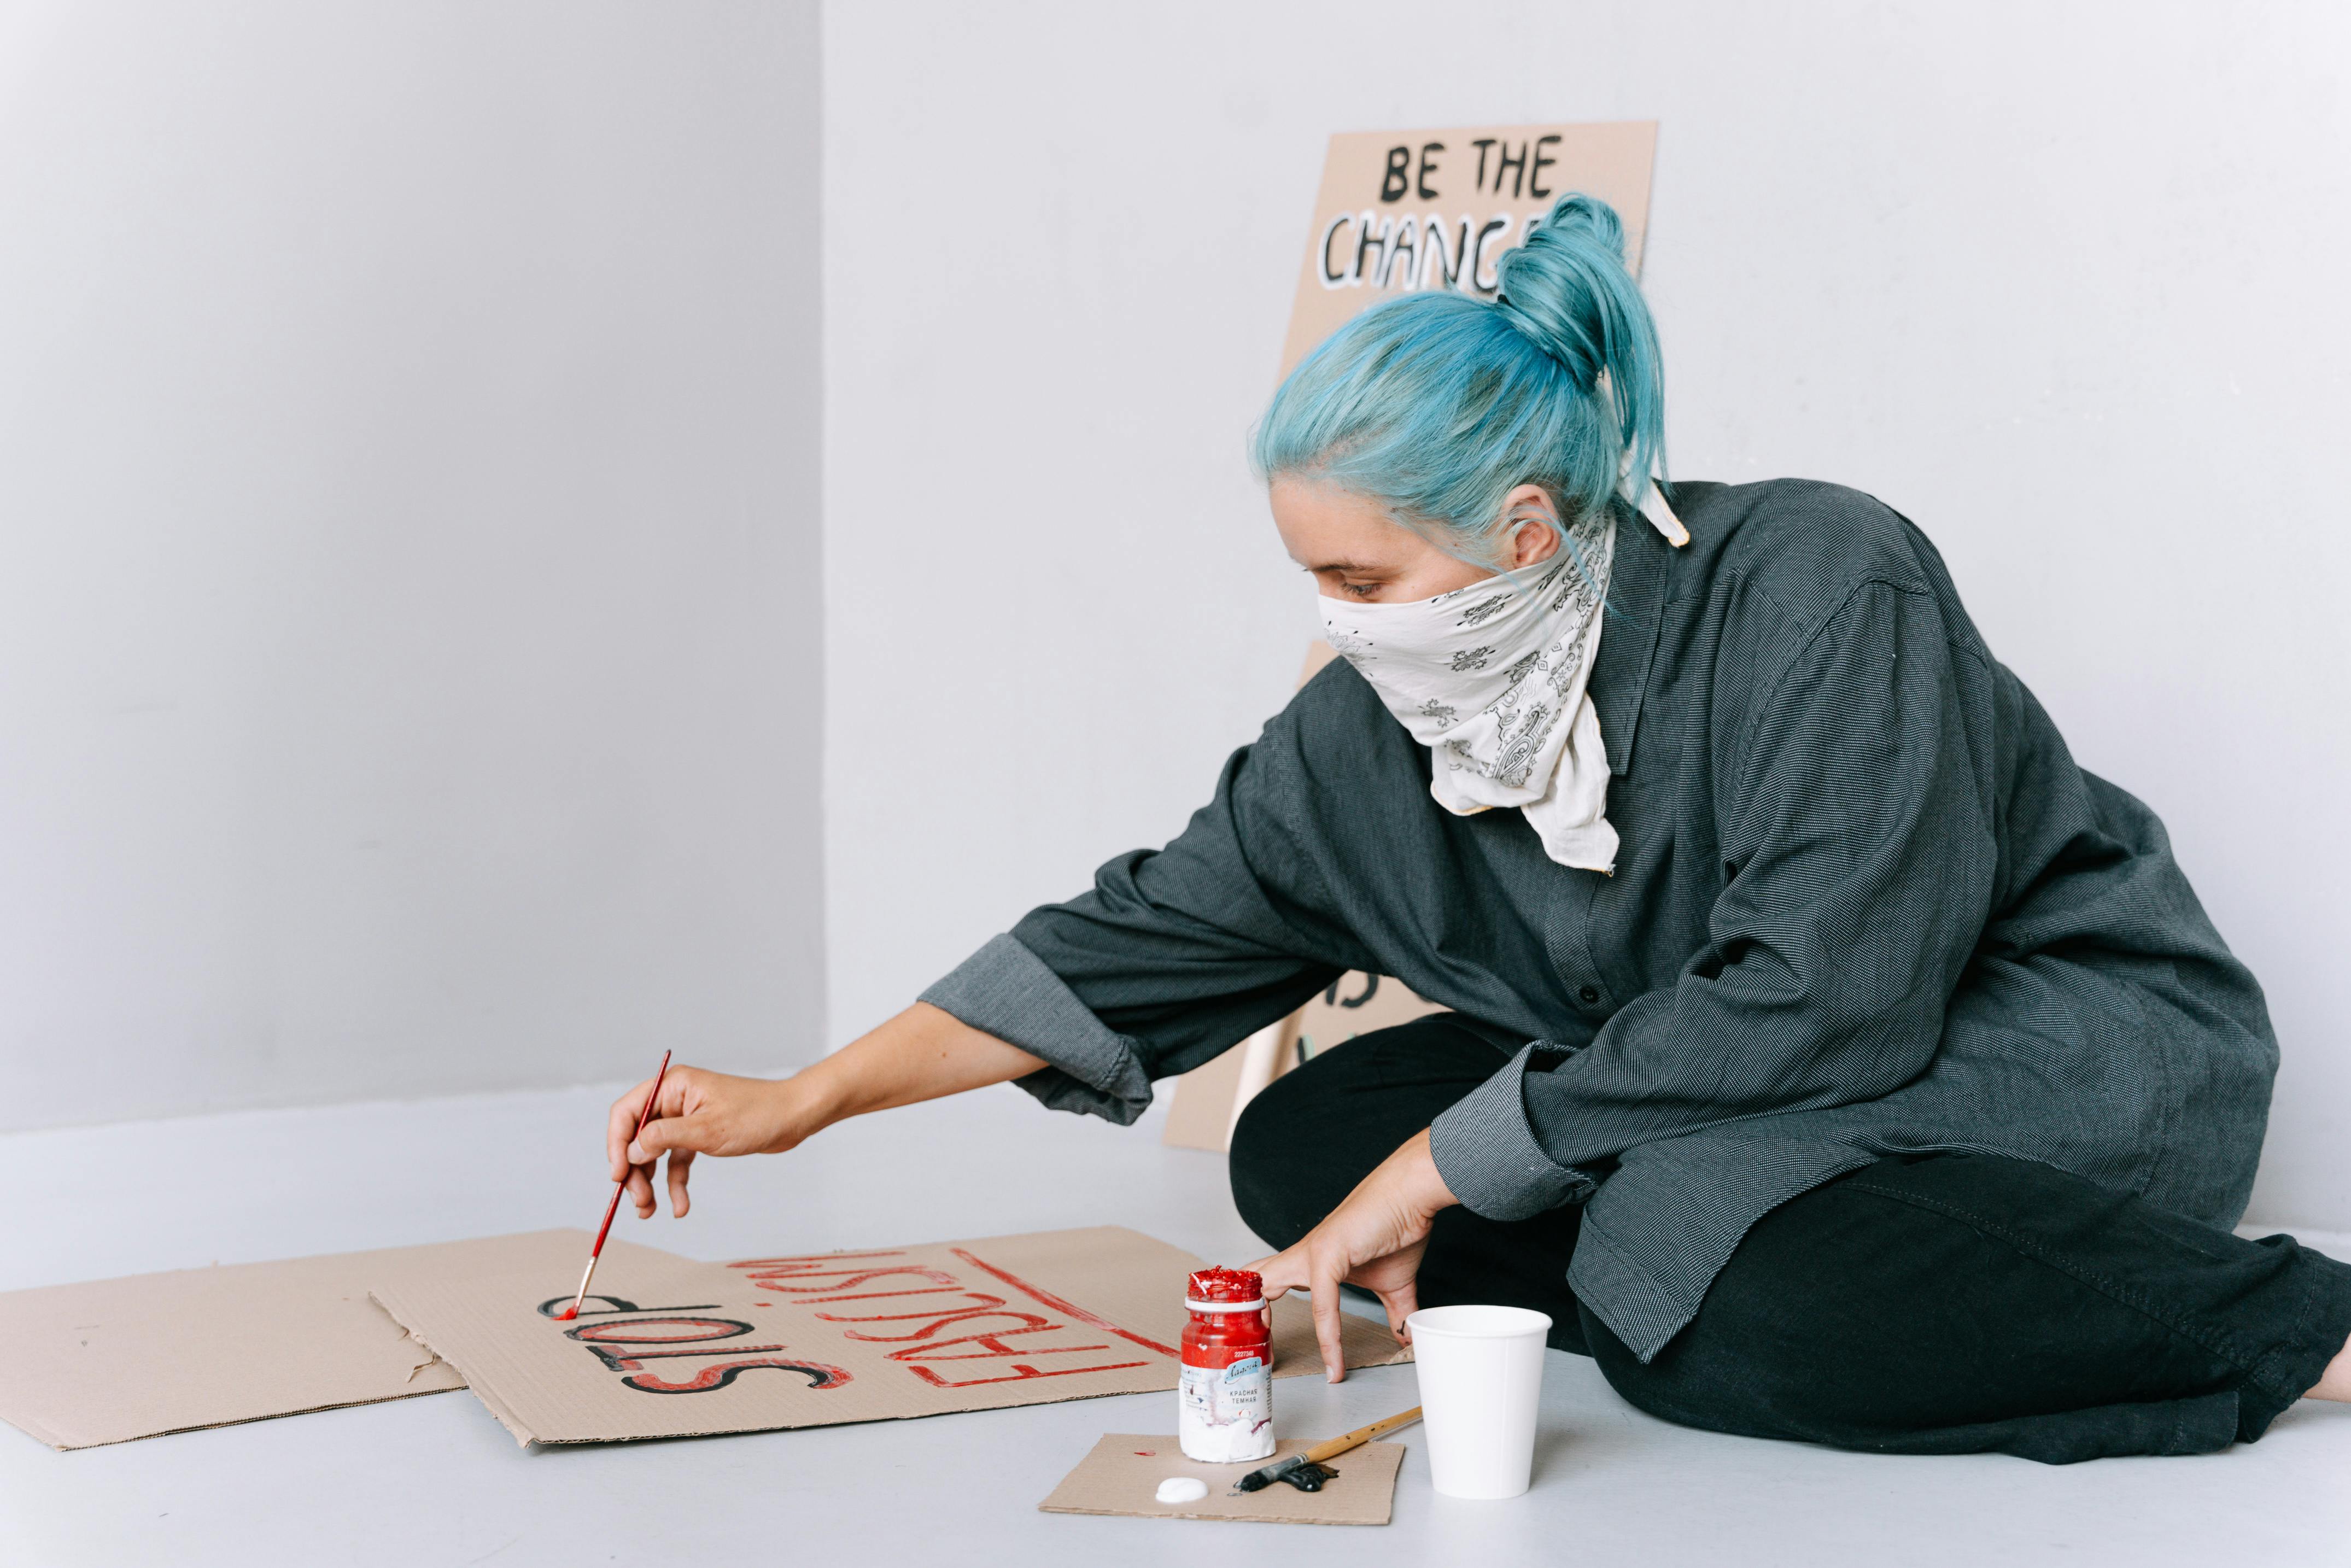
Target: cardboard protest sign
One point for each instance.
(668, 1348)
(1122, 1475)
(112, 1360)
(1404, 209)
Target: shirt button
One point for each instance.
(1588, 996)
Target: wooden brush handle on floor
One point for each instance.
(1359, 1436)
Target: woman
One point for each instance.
(1829, 1055)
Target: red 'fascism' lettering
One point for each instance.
(831, 1279)
(931, 1322)
(1020, 1374)
(828, 1278)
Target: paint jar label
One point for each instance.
(1226, 1412)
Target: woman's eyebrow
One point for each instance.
(1355, 566)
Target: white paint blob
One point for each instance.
(1181, 1488)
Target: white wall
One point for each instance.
(408, 608)
(2063, 283)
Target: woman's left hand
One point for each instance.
(1373, 1240)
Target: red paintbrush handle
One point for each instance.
(643, 1115)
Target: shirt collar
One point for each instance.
(1629, 625)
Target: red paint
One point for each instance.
(820, 1375)
(1072, 1308)
(629, 1331)
(1021, 1373)
(1217, 1340)
(977, 1326)
(1225, 1285)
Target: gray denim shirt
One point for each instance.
(1864, 902)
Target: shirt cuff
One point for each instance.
(1485, 1149)
(1005, 991)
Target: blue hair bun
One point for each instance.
(1566, 287)
(1437, 403)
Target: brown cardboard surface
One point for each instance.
(671, 1348)
(1122, 1474)
(112, 1360)
(1405, 180)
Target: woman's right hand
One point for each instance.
(702, 1113)
(920, 1054)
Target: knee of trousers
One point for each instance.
(1266, 1163)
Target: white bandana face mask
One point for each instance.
(1491, 678)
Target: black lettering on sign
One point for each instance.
(1517, 165)
(1481, 144)
(1398, 178)
(629, 1358)
(1402, 265)
(1448, 255)
(818, 1374)
(1372, 244)
(553, 1304)
(1534, 175)
(696, 1330)
(1476, 267)
(1428, 167)
(1333, 280)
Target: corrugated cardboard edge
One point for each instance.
(523, 1435)
(304, 1295)
(69, 1445)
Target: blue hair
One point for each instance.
(1437, 404)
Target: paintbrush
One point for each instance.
(1306, 1471)
(613, 1207)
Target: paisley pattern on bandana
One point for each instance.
(1491, 678)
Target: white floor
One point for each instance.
(435, 1480)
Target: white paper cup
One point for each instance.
(1480, 1372)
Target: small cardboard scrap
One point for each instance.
(669, 1348)
(113, 1360)
(1122, 1474)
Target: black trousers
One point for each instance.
(1925, 1304)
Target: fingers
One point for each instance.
(1401, 1303)
(681, 1166)
(641, 1190)
(700, 1134)
(1325, 1286)
(1281, 1274)
(618, 1124)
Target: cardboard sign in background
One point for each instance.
(1403, 210)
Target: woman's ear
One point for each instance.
(1530, 531)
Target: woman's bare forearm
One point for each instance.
(922, 1053)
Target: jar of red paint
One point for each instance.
(1226, 1414)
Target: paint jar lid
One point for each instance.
(1226, 1287)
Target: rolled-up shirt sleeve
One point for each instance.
(1485, 1148)
(1173, 956)
(1860, 847)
